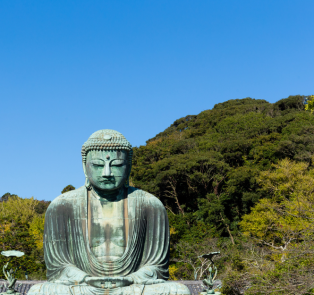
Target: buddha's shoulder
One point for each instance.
(146, 197)
(69, 197)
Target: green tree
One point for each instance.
(284, 223)
(309, 106)
(16, 215)
(68, 188)
(5, 197)
(36, 230)
(287, 216)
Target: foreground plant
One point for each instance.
(10, 274)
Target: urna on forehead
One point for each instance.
(106, 139)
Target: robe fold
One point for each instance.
(69, 258)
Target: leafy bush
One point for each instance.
(18, 225)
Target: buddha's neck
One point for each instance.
(113, 196)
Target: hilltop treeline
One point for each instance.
(208, 169)
(204, 167)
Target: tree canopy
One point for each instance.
(21, 228)
(68, 188)
(204, 167)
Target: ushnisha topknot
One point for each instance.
(106, 139)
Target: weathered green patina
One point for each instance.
(107, 237)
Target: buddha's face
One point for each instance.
(107, 170)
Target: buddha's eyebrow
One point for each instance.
(97, 159)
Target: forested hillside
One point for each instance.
(237, 179)
(204, 167)
(208, 171)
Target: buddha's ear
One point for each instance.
(87, 183)
(129, 172)
(84, 168)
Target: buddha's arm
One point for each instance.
(146, 275)
(71, 275)
(61, 266)
(155, 260)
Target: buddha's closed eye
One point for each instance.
(117, 162)
(97, 163)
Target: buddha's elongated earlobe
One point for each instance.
(127, 182)
(87, 183)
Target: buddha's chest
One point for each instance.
(107, 229)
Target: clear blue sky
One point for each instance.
(69, 68)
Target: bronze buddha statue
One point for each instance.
(107, 237)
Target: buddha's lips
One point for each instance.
(112, 180)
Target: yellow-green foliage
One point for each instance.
(287, 216)
(21, 228)
(23, 211)
(282, 224)
(36, 229)
(172, 272)
(288, 179)
(17, 209)
(310, 104)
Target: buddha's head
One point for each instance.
(107, 159)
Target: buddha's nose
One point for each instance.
(107, 170)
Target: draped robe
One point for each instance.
(69, 258)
